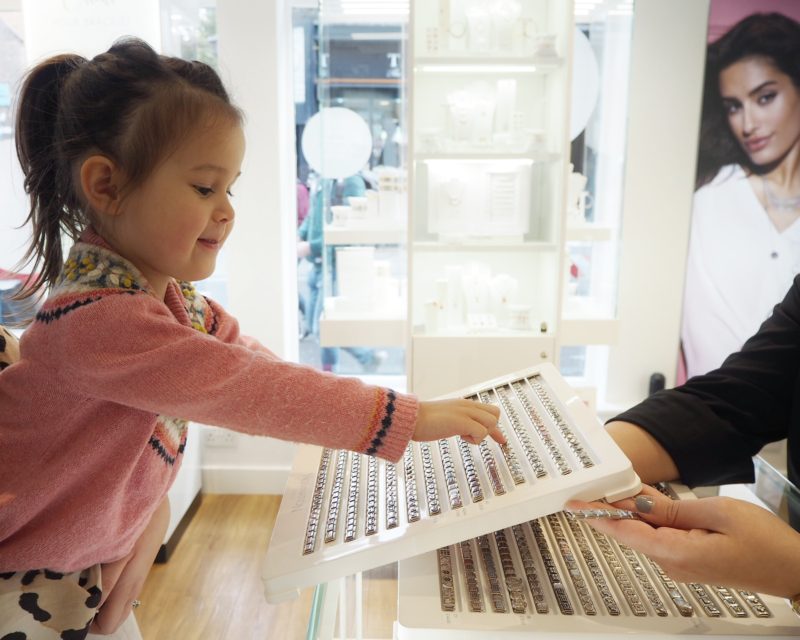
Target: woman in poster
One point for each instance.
(744, 245)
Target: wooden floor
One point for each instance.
(210, 589)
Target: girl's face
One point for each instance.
(175, 223)
(763, 108)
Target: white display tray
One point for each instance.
(421, 615)
(569, 455)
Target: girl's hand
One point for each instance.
(123, 580)
(713, 540)
(473, 421)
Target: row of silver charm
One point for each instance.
(506, 586)
(501, 397)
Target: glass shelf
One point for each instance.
(487, 65)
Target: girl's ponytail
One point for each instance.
(53, 204)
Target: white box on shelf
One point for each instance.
(483, 199)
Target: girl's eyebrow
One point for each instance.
(212, 167)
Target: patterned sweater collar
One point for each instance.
(93, 264)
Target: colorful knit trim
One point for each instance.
(90, 274)
(169, 438)
(200, 312)
(386, 410)
(90, 267)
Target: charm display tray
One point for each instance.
(344, 512)
(556, 577)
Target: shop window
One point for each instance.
(352, 264)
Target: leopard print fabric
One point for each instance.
(46, 605)
(9, 348)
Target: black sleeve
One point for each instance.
(715, 423)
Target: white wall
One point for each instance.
(255, 62)
(669, 41)
(86, 27)
(49, 27)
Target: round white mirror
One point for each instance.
(336, 142)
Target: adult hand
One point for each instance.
(713, 540)
(123, 580)
(303, 249)
(471, 420)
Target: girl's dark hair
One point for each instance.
(770, 35)
(130, 104)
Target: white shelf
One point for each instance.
(493, 244)
(365, 235)
(488, 154)
(478, 333)
(362, 332)
(486, 64)
(590, 233)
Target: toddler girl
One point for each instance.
(133, 156)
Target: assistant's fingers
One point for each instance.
(707, 513)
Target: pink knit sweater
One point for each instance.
(93, 416)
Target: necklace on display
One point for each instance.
(778, 203)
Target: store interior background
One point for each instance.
(283, 61)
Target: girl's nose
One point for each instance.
(224, 212)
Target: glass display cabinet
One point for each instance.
(489, 164)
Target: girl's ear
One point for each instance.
(100, 183)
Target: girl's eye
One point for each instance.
(203, 191)
(230, 193)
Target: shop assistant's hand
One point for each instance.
(473, 421)
(713, 540)
(123, 580)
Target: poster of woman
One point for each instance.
(744, 247)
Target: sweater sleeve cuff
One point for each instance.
(393, 426)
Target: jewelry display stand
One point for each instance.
(343, 512)
(556, 575)
(489, 142)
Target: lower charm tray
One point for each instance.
(557, 577)
(343, 512)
